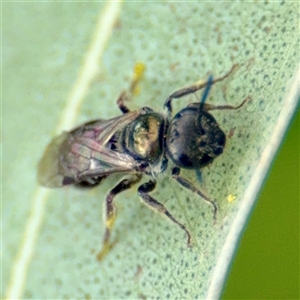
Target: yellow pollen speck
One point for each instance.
(139, 70)
(231, 198)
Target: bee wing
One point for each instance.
(101, 160)
(82, 153)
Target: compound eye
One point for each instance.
(218, 151)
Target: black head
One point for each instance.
(194, 139)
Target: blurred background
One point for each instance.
(37, 50)
(266, 265)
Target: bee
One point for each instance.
(139, 142)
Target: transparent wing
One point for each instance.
(82, 153)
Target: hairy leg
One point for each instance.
(188, 185)
(193, 88)
(143, 191)
(110, 211)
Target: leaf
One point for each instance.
(50, 238)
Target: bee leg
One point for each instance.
(193, 88)
(120, 102)
(207, 106)
(188, 185)
(143, 191)
(138, 73)
(110, 212)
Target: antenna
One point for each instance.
(209, 83)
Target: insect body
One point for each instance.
(137, 142)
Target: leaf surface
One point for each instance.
(45, 51)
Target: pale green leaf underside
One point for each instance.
(44, 45)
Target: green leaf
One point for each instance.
(57, 54)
